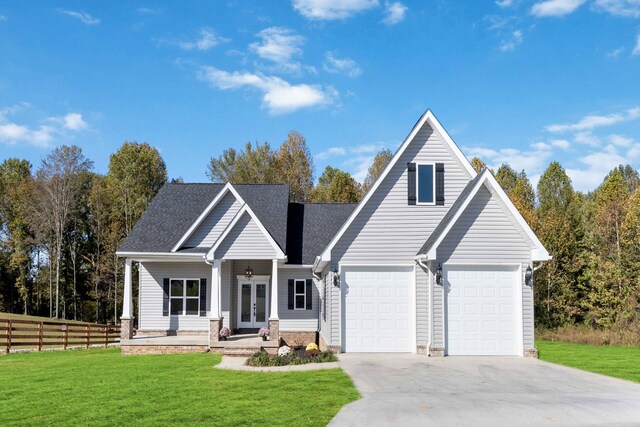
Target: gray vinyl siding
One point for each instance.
(206, 234)
(297, 320)
(486, 234)
(152, 275)
(437, 341)
(245, 241)
(422, 306)
(387, 229)
(325, 317)
(335, 304)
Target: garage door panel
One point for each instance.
(377, 309)
(481, 310)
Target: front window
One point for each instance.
(426, 184)
(185, 297)
(300, 295)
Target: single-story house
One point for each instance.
(435, 259)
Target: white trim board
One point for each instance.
(429, 118)
(538, 253)
(226, 189)
(210, 256)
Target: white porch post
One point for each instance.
(126, 320)
(274, 322)
(215, 318)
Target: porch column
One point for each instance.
(126, 320)
(274, 322)
(215, 319)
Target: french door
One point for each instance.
(253, 299)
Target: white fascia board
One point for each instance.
(227, 188)
(427, 117)
(245, 209)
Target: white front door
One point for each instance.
(253, 297)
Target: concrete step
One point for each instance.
(240, 351)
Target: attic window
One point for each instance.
(426, 184)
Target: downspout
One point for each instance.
(425, 267)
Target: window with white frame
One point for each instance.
(300, 294)
(426, 187)
(185, 297)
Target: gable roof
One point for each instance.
(245, 210)
(428, 250)
(311, 226)
(427, 118)
(177, 207)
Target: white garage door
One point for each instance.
(377, 309)
(482, 310)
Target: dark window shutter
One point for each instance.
(291, 294)
(411, 183)
(440, 184)
(203, 297)
(165, 296)
(309, 294)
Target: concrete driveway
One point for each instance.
(412, 390)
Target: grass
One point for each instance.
(102, 387)
(615, 361)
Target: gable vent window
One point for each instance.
(425, 184)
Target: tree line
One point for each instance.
(61, 224)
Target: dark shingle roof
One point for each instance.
(310, 228)
(448, 217)
(177, 206)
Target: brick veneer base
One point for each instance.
(298, 339)
(126, 329)
(169, 333)
(274, 329)
(436, 352)
(531, 352)
(214, 330)
(163, 349)
(322, 344)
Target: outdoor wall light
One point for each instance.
(336, 278)
(248, 273)
(528, 276)
(439, 275)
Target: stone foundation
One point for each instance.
(214, 330)
(422, 349)
(531, 352)
(126, 329)
(298, 338)
(436, 352)
(163, 349)
(169, 333)
(323, 346)
(274, 330)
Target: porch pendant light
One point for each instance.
(248, 273)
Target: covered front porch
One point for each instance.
(242, 344)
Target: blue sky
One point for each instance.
(523, 82)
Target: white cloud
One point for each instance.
(331, 152)
(593, 121)
(596, 166)
(626, 8)
(208, 39)
(83, 17)
(620, 141)
(279, 96)
(12, 133)
(532, 161)
(562, 144)
(149, 11)
(394, 13)
(615, 52)
(555, 8)
(512, 42)
(280, 45)
(359, 157)
(504, 3)
(587, 138)
(332, 9)
(347, 66)
(636, 49)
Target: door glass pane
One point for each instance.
(245, 303)
(176, 288)
(176, 306)
(261, 300)
(193, 288)
(192, 306)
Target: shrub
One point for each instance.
(261, 358)
(582, 334)
(224, 332)
(264, 332)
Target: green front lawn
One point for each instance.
(102, 387)
(615, 361)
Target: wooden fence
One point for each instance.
(38, 334)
